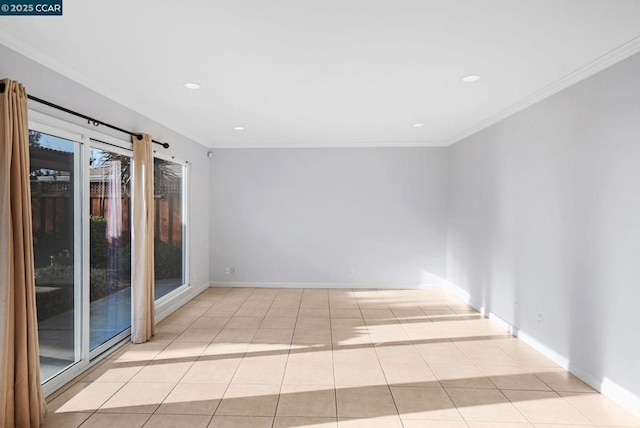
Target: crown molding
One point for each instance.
(342, 285)
(607, 60)
(614, 56)
(331, 145)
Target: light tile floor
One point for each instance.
(243, 357)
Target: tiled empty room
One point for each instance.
(319, 214)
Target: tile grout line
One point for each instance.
(185, 373)
(275, 411)
(385, 374)
(333, 362)
(197, 358)
(375, 300)
(577, 409)
(237, 368)
(477, 367)
(243, 356)
(433, 372)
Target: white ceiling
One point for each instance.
(328, 72)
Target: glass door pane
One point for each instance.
(54, 195)
(109, 245)
(81, 210)
(169, 244)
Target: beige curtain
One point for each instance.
(142, 289)
(21, 399)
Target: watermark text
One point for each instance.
(25, 7)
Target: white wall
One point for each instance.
(51, 86)
(545, 211)
(312, 215)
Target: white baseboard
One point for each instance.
(458, 292)
(382, 286)
(554, 356)
(604, 385)
(609, 389)
(178, 300)
(502, 323)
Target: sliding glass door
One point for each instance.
(109, 245)
(170, 226)
(81, 211)
(55, 195)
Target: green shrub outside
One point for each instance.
(58, 272)
(98, 242)
(168, 260)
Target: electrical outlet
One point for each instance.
(352, 271)
(227, 271)
(539, 320)
(233, 271)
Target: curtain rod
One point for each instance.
(90, 120)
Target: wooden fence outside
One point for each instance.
(52, 209)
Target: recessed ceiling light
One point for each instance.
(471, 78)
(418, 125)
(238, 128)
(191, 85)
